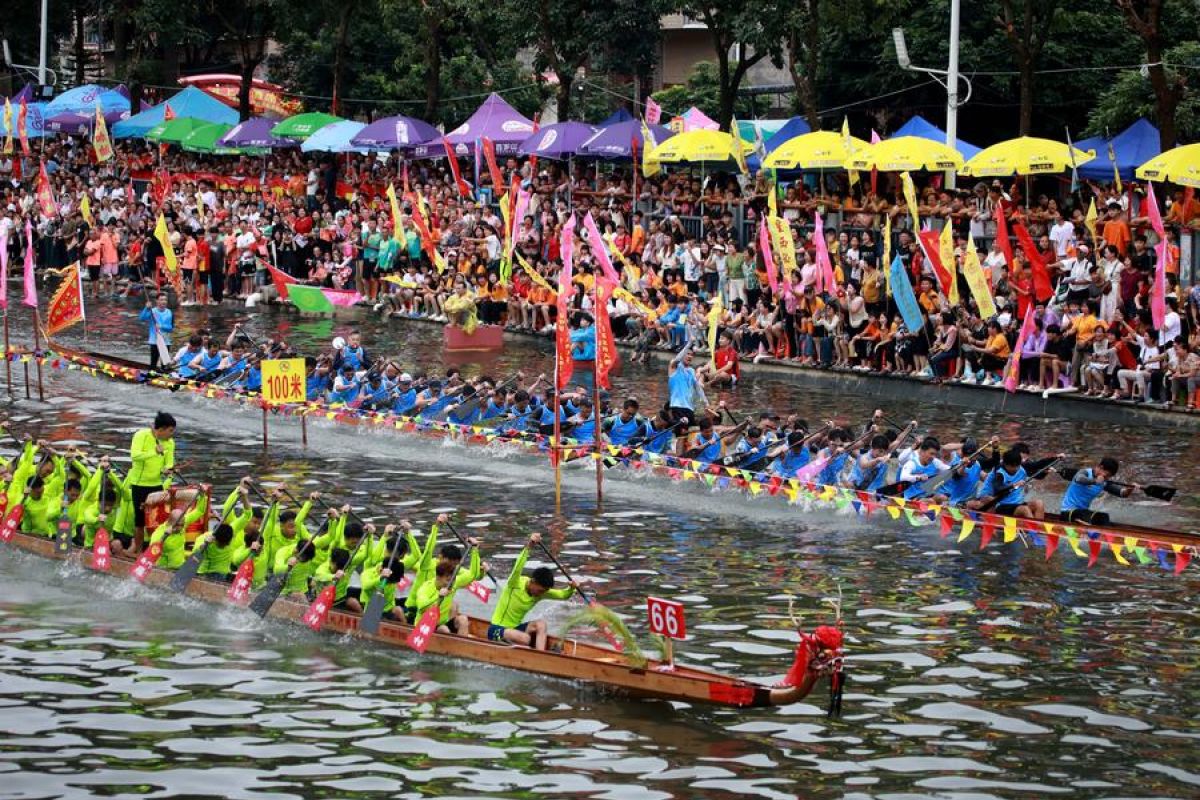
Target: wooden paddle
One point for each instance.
(1153, 490)
(692, 452)
(463, 541)
(373, 613)
(1007, 490)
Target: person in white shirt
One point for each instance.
(1172, 324)
(1062, 234)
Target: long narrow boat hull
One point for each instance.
(576, 661)
(484, 337)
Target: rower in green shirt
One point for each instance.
(172, 534)
(43, 500)
(520, 594)
(385, 575)
(439, 591)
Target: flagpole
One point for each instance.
(7, 352)
(599, 435)
(555, 454)
(37, 346)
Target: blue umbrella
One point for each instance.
(335, 138)
(83, 99)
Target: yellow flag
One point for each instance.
(1010, 529)
(946, 252)
(714, 322)
(973, 272)
(199, 206)
(848, 146)
(650, 166)
(785, 247)
(739, 154)
(910, 197)
(85, 208)
(773, 196)
(886, 266)
(1090, 220)
(164, 238)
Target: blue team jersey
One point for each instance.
(622, 432)
(1080, 496)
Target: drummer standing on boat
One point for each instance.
(152, 453)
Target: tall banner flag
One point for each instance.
(848, 146)
(714, 323)
(100, 141)
(66, 306)
(8, 127)
(4, 273)
(874, 172)
(946, 251)
(931, 251)
(1158, 293)
(650, 165)
(785, 247)
(170, 260)
(489, 154)
(22, 128)
(394, 203)
(887, 242)
(1042, 289)
(826, 282)
(85, 208)
(463, 189)
(973, 272)
(910, 197)
(739, 154)
(1001, 215)
(599, 251)
(45, 195)
(653, 111)
(606, 344)
(30, 299)
(764, 247)
(1012, 370)
(562, 327)
(906, 299)
(1112, 157)
(1089, 221)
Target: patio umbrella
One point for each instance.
(203, 139)
(1180, 165)
(561, 140)
(701, 146)
(395, 132)
(335, 138)
(71, 122)
(255, 132)
(1026, 155)
(816, 150)
(906, 154)
(174, 131)
(303, 126)
(616, 140)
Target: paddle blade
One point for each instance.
(62, 537)
(239, 590)
(146, 562)
(423, 631)
(101, 554)
(262, 603)
(318, 611)
(12, 521)
(183, 576)
(479, 590)
(373, 614)
(1166, 493)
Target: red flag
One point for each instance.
(1042, 289)
(423, 631)
(533, 159)
(1051, 544)
(12, 521)
(562, 330)
(479, 590)
(131, 194)
(22, 130)
(101, 554)
(930, 247)
(947, 525)
(280, 278)
(146, 562)
(1012, 370)
(317, 613)
(606, 345)
(240, 589)
(463, 188)
(489, 153)
(45, 195)
(1002, 234)
(168, 114)
(406, 189)
(1094, 547)
(985, 534)
(1181, 561)
(66, 306)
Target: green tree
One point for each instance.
(1131, 96)
(250, 25)
(702, 89)
(1027, 26)
(1151, 21)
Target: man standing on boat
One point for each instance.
(152, 453)
(521, 593)
(682, 388)
(160, 322)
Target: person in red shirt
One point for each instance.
(725, 366)
(203, 270)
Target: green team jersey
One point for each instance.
(515, 601)
(426, 567)
(428, 593)
(174, 542)
(371, 575)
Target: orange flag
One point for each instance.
(66, 306)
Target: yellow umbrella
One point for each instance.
(1180, 165)
(816, 150)
(699, 146)
(906, 154)
(1026, 155)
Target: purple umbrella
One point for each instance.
(560, 140)
(616, 141)
(81, 124)
(255, 132)
(495, 120)
(395, 132)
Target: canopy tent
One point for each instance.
(255, 132)
(790, 129)
(1025, 155)
(35, 121)
(82, 100)
(696, 120)
(335, 138)
(395, 132)
(559, 141)
(303, 126)
(616, 141)
(191, 102)
(1132, 147)
(620, 115)
(919, 126)
(495, 120)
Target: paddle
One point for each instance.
(692, 452)
(373, 613)
(784, 446)
(1007, 490)
(933, 481)
(427, 623)
(1153, 490)
(590, 601)
(185, 574)
(465, 543)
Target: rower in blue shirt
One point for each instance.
(345, 386)
(920, 468)
(623, 427)
(869, 470)
(660, 432)
(708, 442)
(583, 424)
(963, 483)
(405, 395)
(1086, 486)
(1005, 490)
(751, 450)
(374, 393)
(795, 457)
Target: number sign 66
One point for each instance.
(666, 618)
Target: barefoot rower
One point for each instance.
(520, 594)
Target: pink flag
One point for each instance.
(4, 273)
(342, 298)
(31, 298)
(764, 244)
(600, 250)
(567, 248)
(825, 280)
(874, 172)
(1158, 292)
(1012, 371)
(812, 468)
(653, 111)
